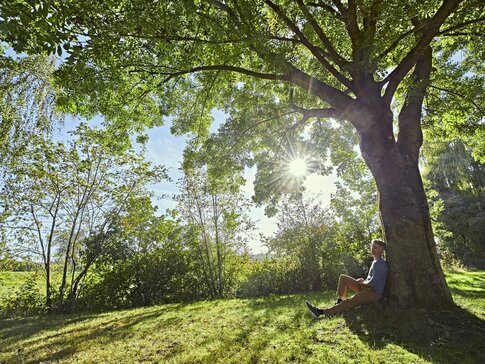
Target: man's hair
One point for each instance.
(381, 243)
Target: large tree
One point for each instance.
(368, 63)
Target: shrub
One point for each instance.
(23, 302)
(162, 276)
(276, 275)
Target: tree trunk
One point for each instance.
(415, 276)
(48, 294)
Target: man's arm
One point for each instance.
(379, 274)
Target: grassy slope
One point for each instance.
(273, 329)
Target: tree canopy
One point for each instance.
(386, 68)
(140, 60)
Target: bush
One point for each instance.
(162, 276)
(23, 302)
(276, 275)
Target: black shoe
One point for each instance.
(314, 311)
(338, 301)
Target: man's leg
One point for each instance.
(363, 297)
(345, 282)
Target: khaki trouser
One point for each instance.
(363, 295)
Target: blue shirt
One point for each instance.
(377, 276)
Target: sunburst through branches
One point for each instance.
(287, 173)
(298, 167)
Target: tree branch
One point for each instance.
(352, 26)
(459, 34)
(340, 7)
(314, 50)
(313, 113)
(337, 58)
(286, 39)
(38, 226)
(370, 22)
(299, 42)
(220, 6)
(292, 74)
(431, 30)
(336, 98)
(179, 38)
(221, 67)
(410, 137)
(396, 43)
(460, 95)
(461, 25)
(240, 136)
(328, 9)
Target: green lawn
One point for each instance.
(274, 329)
(12, 280)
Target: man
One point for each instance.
(366, 291)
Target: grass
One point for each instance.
(468, 289)
(11, 281)
(273, 329)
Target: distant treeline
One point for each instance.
(19, 266)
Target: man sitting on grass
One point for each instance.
(366, 291)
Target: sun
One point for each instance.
(298, 167)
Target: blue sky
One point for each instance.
(163, 148)
(166, 149)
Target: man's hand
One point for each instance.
(362, 282)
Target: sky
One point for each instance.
(166, 149)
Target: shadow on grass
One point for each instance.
(266, 325)
(240, 328)
(272, 302)
(54, 338)
(62, 337)
(440, 336)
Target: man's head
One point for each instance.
(377, 248)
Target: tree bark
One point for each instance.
(415, 276)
